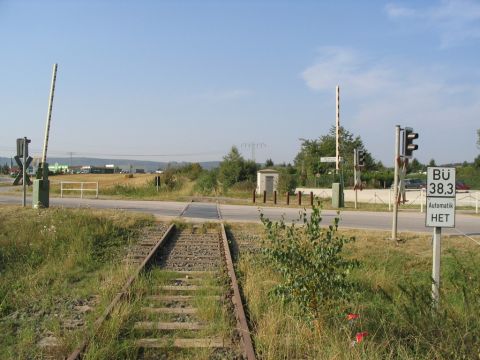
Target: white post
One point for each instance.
(337, 122)
(24, 172)
(96, 197)
(81, 190)
(49, 114)
(395, 183)
(421, 200)
(355, 174)
(437, 237)
(476, 202)
(390, 199)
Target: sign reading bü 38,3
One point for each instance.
(440, 197)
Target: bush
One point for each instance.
(287, 182)
(207, 182)
(310, 261)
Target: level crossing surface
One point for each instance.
(408, 221)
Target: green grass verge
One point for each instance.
(58, 269)
(392, 297)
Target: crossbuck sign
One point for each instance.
(440, 197)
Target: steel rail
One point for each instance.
(242, 325)
(77, 353)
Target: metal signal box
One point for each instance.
(337, 196)
(21, 145)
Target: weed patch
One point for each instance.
(57, 268)
(391, 312)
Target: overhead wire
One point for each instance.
(94, 154)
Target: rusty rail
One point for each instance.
(242, 325)
(77, 353)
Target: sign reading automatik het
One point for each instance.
(440, 197)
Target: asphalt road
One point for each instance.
(201, 211)
(407, 221)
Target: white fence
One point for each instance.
(85, 186)
(415, 198)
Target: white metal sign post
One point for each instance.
(440, 213)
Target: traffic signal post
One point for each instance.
(358, 163)
(401, 162)
(408, 145)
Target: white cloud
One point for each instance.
(397, 11)
(456, 21)
(344, 66)
(377, 94)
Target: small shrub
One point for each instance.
(309, 259)
(207, 182)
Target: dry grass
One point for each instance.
(106, 180)
(52, 261)
(281, 332)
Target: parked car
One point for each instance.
(460, 185)
(415, 184)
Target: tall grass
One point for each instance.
(52, 261)
(392, 298)
(181, 189)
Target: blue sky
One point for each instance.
(186, 80)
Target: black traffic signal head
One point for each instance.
(361, 157)
(408, 146)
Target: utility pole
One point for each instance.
(253, 146)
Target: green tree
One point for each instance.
(308, 162)
(249, 171)
(415, 166)
(476, 162)
(432, 163)
(230, 170)
(287, 181)
(269, 163)
(191, 170)
(207, 182)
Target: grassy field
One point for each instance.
(391, 296)
(123, 186)
(58, 270)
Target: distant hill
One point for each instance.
(121, 163)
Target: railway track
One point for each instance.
(190, 306)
